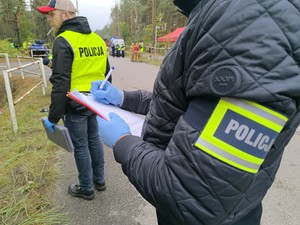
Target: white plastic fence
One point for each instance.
(23, 70)
(7, 66)
(8, 88)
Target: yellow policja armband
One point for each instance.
(241, 133)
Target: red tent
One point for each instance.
(171, 37)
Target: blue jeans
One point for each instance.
(88, 148)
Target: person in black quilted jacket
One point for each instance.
(224, 106)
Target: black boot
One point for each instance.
(76, 191)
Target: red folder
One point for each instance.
(90, 107)
(134, 121)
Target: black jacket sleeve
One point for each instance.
(60, 79)
(137, 101)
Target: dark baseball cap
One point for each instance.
(65, 5)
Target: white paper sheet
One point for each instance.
(134, 121)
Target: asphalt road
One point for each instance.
(121, 204)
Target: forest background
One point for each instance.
(132, 20)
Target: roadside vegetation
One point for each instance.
(27, 163)
(28, 171)
(133, 21)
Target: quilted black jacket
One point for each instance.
(258, 42)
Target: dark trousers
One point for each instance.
(253, 218)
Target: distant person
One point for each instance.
(123, 50)
(113, 50)
(136, 49)
(75, 66)
(150, 49)
(107, 46)
(225, 103)
(118, 49)
(141, 51)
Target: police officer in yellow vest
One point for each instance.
(79, 57)
(123, 50)
(141, 51)
(118, 49)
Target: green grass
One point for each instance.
(149, 60)
(152, 61)
(27, 166)
(27, 162)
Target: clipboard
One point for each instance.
(60, 137)
(134, 121)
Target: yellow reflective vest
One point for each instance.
(90, 59)
(141, 48)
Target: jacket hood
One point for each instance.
(78, 24)
(186, 6)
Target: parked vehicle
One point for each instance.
(117, 47)
(39, 49)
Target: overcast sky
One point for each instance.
(97, 11)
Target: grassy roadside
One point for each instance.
(147, 58)
(28, 160)
(27, 164)
(155, 62)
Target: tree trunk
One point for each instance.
(18, 20)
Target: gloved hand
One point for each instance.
(111, 131)
(49, 125)
(46, 60)
(108, 94)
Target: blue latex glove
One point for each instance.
(109, 94)
(111, 131)
(49, 126)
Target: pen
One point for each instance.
(107, 77)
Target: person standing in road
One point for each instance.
(225, 104)
(136, 52)
(118, 50)
(113, 50)
(141, 51)
(79, 57)
(123, 50)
